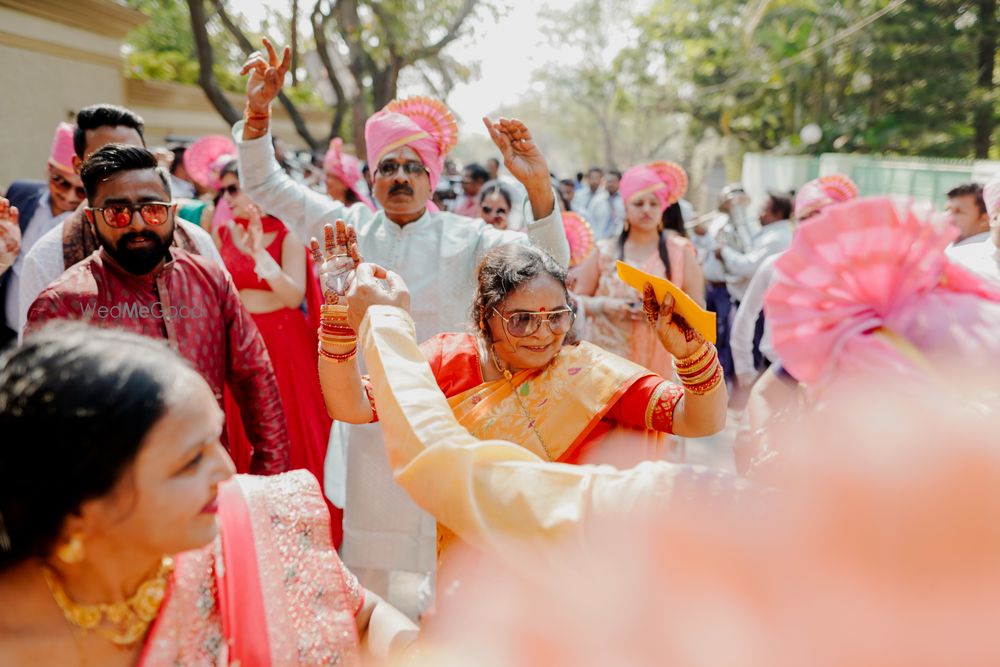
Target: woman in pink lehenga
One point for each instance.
(125, 539)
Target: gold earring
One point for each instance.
(71, 551)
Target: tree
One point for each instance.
(378, 39)
(892, 76)
(877, 75)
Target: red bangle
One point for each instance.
(339, 358)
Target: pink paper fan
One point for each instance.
(674, 176)
(431, 115)
(203, 155)
(580, 237)
(821, 192)
(850, 270)
(840, 188)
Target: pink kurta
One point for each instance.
(193, 305)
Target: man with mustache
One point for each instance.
(41, 205)
(138, 281)
(436, 252)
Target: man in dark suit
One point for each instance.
(41, 205)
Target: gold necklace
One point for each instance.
(524, 410)
(123, 623)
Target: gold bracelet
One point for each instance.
(250, 114)
(695, 357)
(700, 377)
(338, 344)
(708, 386)
(699, 368)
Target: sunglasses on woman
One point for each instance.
(232, 189)
(500, 210)
(120, 215)
(64, 185)
(522, 325)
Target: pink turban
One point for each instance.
(991, 195)
(424, 124)
(667, 180)
(347, 168)
(819, 193)
(866, 286)
(62, 148)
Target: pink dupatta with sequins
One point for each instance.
(270, 590)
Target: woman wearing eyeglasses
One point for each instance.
(274, 273)
(520, 377)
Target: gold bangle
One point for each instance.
(710, 385)
(695, 357)
(699, 368)
(338, 344)
(698, 379)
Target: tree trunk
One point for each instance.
(983, 122)
(358, 63)
(295, 43)
(206, 60)
(319, 21)
(247, 47)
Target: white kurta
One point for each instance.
(982, 258)
(437, 255)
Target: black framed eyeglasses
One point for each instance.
(522, 325)
(120, 215)
(388, 168)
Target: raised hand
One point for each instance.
(10, 234)
(254, 238)
(520, 153)
(337, 260)
(267, 75)
(675, 334)
(374, 286)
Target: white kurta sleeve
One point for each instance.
(546, 233)
(304, 210)
(43, 264)
(745, 322)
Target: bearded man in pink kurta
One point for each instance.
(137, 281)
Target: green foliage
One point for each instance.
(759, 70)
(163, 48)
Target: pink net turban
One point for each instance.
(667, 180)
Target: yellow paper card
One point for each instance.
(702, 320)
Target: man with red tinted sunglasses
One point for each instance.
(140, 282)
(41, 206)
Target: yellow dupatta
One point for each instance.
(560, 404)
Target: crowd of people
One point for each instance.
(244, 410)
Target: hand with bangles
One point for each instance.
(338, 341)
(337, 260)
(678, 337)
(696, 361)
